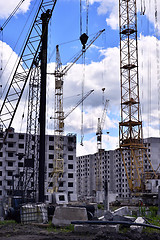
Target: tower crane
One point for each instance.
(130, 126)
(58, 168)
(99, 194)
(35, 48)
(59, 73)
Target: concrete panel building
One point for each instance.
(113, 170)
(86, 174)
(11, 164)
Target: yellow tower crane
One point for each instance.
(59, 117)
(130, 126)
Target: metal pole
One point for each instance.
(42, 117)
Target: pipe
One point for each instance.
(115, 223)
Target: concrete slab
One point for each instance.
(64, 215)
(122, 211)
(94, 229)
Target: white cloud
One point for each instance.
(110, 7)
(98, 75)
(8, 6)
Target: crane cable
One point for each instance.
(24, 109)
(82, 112)
(143, 7)
(157, 56)
(81, 22)
(1, 49)
(149, 80)
(83, 39)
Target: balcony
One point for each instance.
(13, 159)
(8, 178)
(8, 168)
(11, 149)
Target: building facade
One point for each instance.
(86, 174)
(12, 165)
(113, 170)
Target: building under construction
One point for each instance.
(49, 162)
(12, 166)
(113, 171)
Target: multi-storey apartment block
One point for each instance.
(113, 170)
(12, 165)
(86, 174)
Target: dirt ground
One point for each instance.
(31, 232)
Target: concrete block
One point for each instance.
(94, 229)
(60, 198)
(73, 197)
(64, 215)
(138, 228)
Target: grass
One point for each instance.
(68, 228)
(6, 222)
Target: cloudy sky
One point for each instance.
(101, 69)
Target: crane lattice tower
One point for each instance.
(130, 127)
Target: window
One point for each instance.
(51, 138)
(50, 165)
(9, 183)
(21, 145)
(70, 166)
(70, 184)
(70, 139)
(50, 184)
(1, 134)
(50, 174)
(70, 175)
(51, 156)
(1, 154)
(10, 145)
(70, 149)
(10, 135)
(51, 147)
(0, 183)
(0, 173)
(0, 164)
(70, 157)
(10, 164)
(10, 173)
(20, 164)
(61, 184)
(1, 193)
(10, 154)
(21, 136)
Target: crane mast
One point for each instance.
(130, 126)
(31, 157)
(99, 194)
(58, 162)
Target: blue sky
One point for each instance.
(101, 70)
